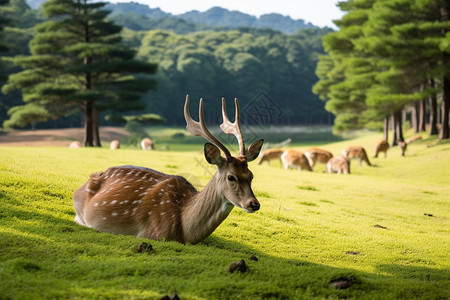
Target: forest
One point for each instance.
(389, 60)
(192, 58)
(388, 63)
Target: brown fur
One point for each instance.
(295, 159)
(356, 152)
(382, 146)
(271, 154)
(403, 146)
(114, 145)
(316, 155)
(338, 164)
(147, 144)
(413, 139)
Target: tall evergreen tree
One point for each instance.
(79, 62)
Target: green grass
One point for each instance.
(386, 229)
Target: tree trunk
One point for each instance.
(398, 127)
(88, 137)
(386, 129)
(394, 130)
(423, 115)
(95, 128)
(415, 117)
(433, 111)
(445, 108)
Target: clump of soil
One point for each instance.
(144, 247)
(238, 266)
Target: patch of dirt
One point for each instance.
(58, 137)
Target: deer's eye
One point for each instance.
(231, 178)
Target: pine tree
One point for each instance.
(78, 61)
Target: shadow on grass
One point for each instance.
(56, 258)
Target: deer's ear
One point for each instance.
(253, 150)
(212, 155)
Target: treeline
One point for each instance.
(238, 63)
(389, 60)
(244, 63)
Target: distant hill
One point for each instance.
(214, 17)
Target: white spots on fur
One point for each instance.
(123, 202)
(171, 186)
(136, 202)
(95, 203)
(126, 212)
(113, 202)
(163, 213)
(115, 181)
(142, 194)
(104, 202)
(114, 214)
(162, 202)
(150, 213)
(168, 201)
(127, 186)
(104, 218)
(106, 177)
(173, 216)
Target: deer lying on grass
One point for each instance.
(356, 152)
(382, 146)
(143, 202)
(295, 159)
(338, 164)
(147, 144)
(115, 144)
(271, 154)
(316, 155)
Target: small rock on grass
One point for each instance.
(253, 257)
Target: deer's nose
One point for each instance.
(255, 205)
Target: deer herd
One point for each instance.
(146, 203)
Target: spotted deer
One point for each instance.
(338, 164)
(382, 146)
(146, 203)
(356, 152)
(294, 159)
(316, 155)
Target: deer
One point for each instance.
(294, 159)
(316, 155)
(338, 164)
(356, 152)
(145, 203)
(115, 144)
(271, 154)
(75, 145)
(382, 146)
(147, 144)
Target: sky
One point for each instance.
(317, 12)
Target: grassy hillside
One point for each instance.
(382, 232)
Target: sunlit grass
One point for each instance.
(385, 228)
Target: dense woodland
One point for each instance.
(389, 59)
(193, 58)
(387, 63)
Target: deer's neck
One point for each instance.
(205, 211)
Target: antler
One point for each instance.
(199, 128)
(233, 128)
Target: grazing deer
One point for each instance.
(316, 155)
(75, 145)
(295, 159)
(338, 164)
(146, 203)
(115, 144)
(356, 152)
(382, 146)
(402, 146)
(413, 139)
(271, 154)
(147, 144)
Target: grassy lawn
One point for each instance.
(382, 231)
